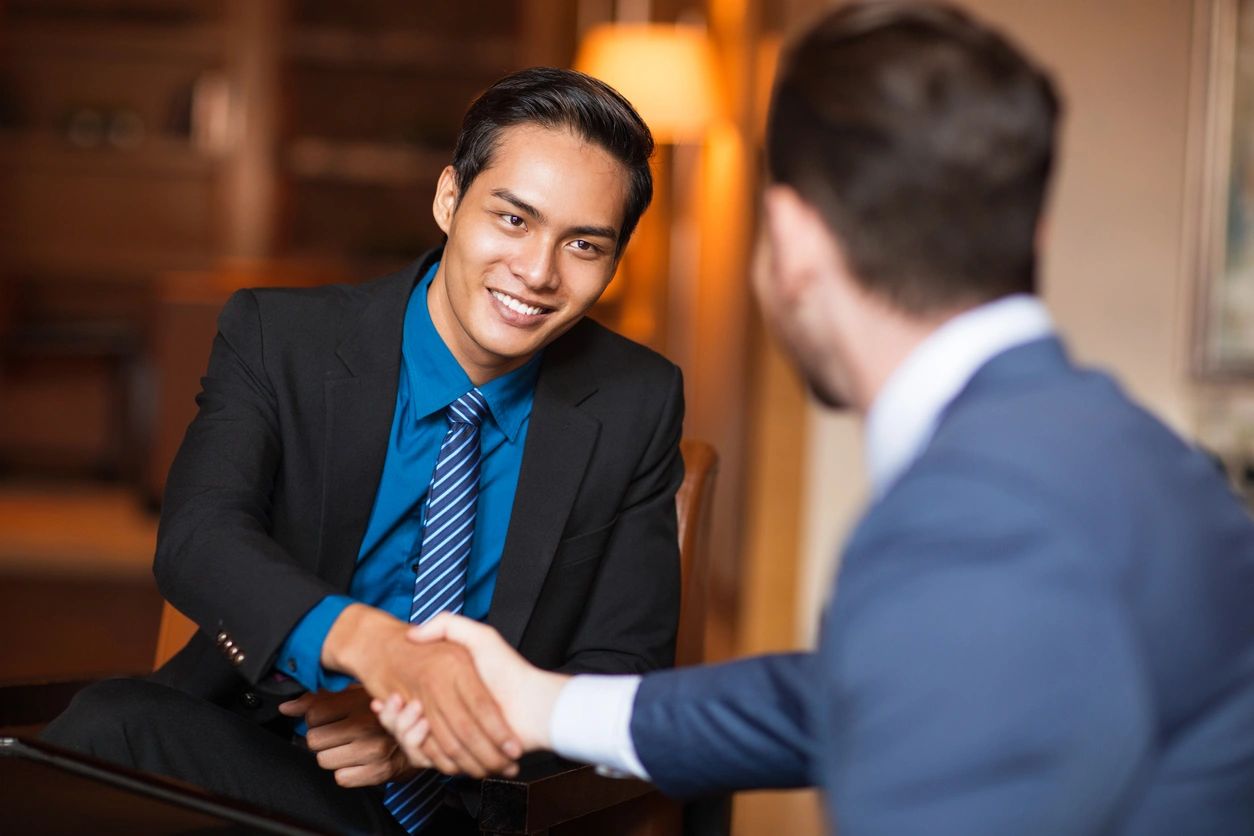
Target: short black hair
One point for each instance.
(926, 141)
(557, 98)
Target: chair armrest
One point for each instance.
(549, 791)
(38, 702)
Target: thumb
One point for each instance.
(441, 627)
(296, 707)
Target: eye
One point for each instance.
(513, 220)
(585, 246)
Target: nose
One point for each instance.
(535, 266)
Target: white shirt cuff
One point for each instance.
(591, 723)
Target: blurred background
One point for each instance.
(157, 154)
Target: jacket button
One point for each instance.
(250, 699)
(223, 638)
(238, 658)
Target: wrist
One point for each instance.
(546, 689)
(356, 638)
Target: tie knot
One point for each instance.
(468, 409)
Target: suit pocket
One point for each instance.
(583, 547)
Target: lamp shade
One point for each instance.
(666, 72)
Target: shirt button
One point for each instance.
(250, 699)
(291, 665)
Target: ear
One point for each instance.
(445, 203)
(800, 243)
(1042, 234)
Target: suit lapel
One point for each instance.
(360, 402)
(560, 441)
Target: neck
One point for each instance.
(877, 341)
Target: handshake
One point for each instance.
(449, 694)
(512, 717)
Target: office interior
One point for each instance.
(157, 154)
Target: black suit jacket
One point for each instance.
(269, 496)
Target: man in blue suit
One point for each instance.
(1044, 623)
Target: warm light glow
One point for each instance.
(666, 72)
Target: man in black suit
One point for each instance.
(294, 522)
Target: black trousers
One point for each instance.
(154, 728)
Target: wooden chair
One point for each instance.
(550, 796)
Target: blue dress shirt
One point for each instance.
(430, 380)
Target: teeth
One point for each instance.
(515, 305)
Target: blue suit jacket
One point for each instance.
(1045, 626)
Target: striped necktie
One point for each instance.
(441, 582)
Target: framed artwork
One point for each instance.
(1222, 196)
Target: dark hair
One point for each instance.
(926, 141)
(555, 98)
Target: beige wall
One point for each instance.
(1114, 270)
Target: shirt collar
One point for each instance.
(907, 411)
(436, 379)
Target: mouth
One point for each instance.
(520, 307)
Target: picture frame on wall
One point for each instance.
(1221, 215)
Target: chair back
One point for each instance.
(692, 508)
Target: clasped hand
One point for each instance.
(525, 694)
(465, 731)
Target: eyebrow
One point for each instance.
(526, 208)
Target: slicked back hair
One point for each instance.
(560, 99)
(926, 141)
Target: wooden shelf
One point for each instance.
(130, 41)
(364, 163)
(417, 50)
(161, 155)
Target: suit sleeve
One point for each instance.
(976, 673)
(215, 559)
(629, 623)
(716, 728)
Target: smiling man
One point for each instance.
(453, 437)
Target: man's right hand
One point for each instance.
(464, 720)
(527, 693)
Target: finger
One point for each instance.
(432, 630)
(344, 731)
(409, 715)
(367, 775)
(437, 758)
(464, 740)
(388, 710)
(296, 707)
(362, 752)
(327, 710)
(411, 743)
(491, 719)
(358, 776)
(495, 746)
(450, 627)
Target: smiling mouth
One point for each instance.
(519, 306)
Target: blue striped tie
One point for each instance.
(441, 582)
